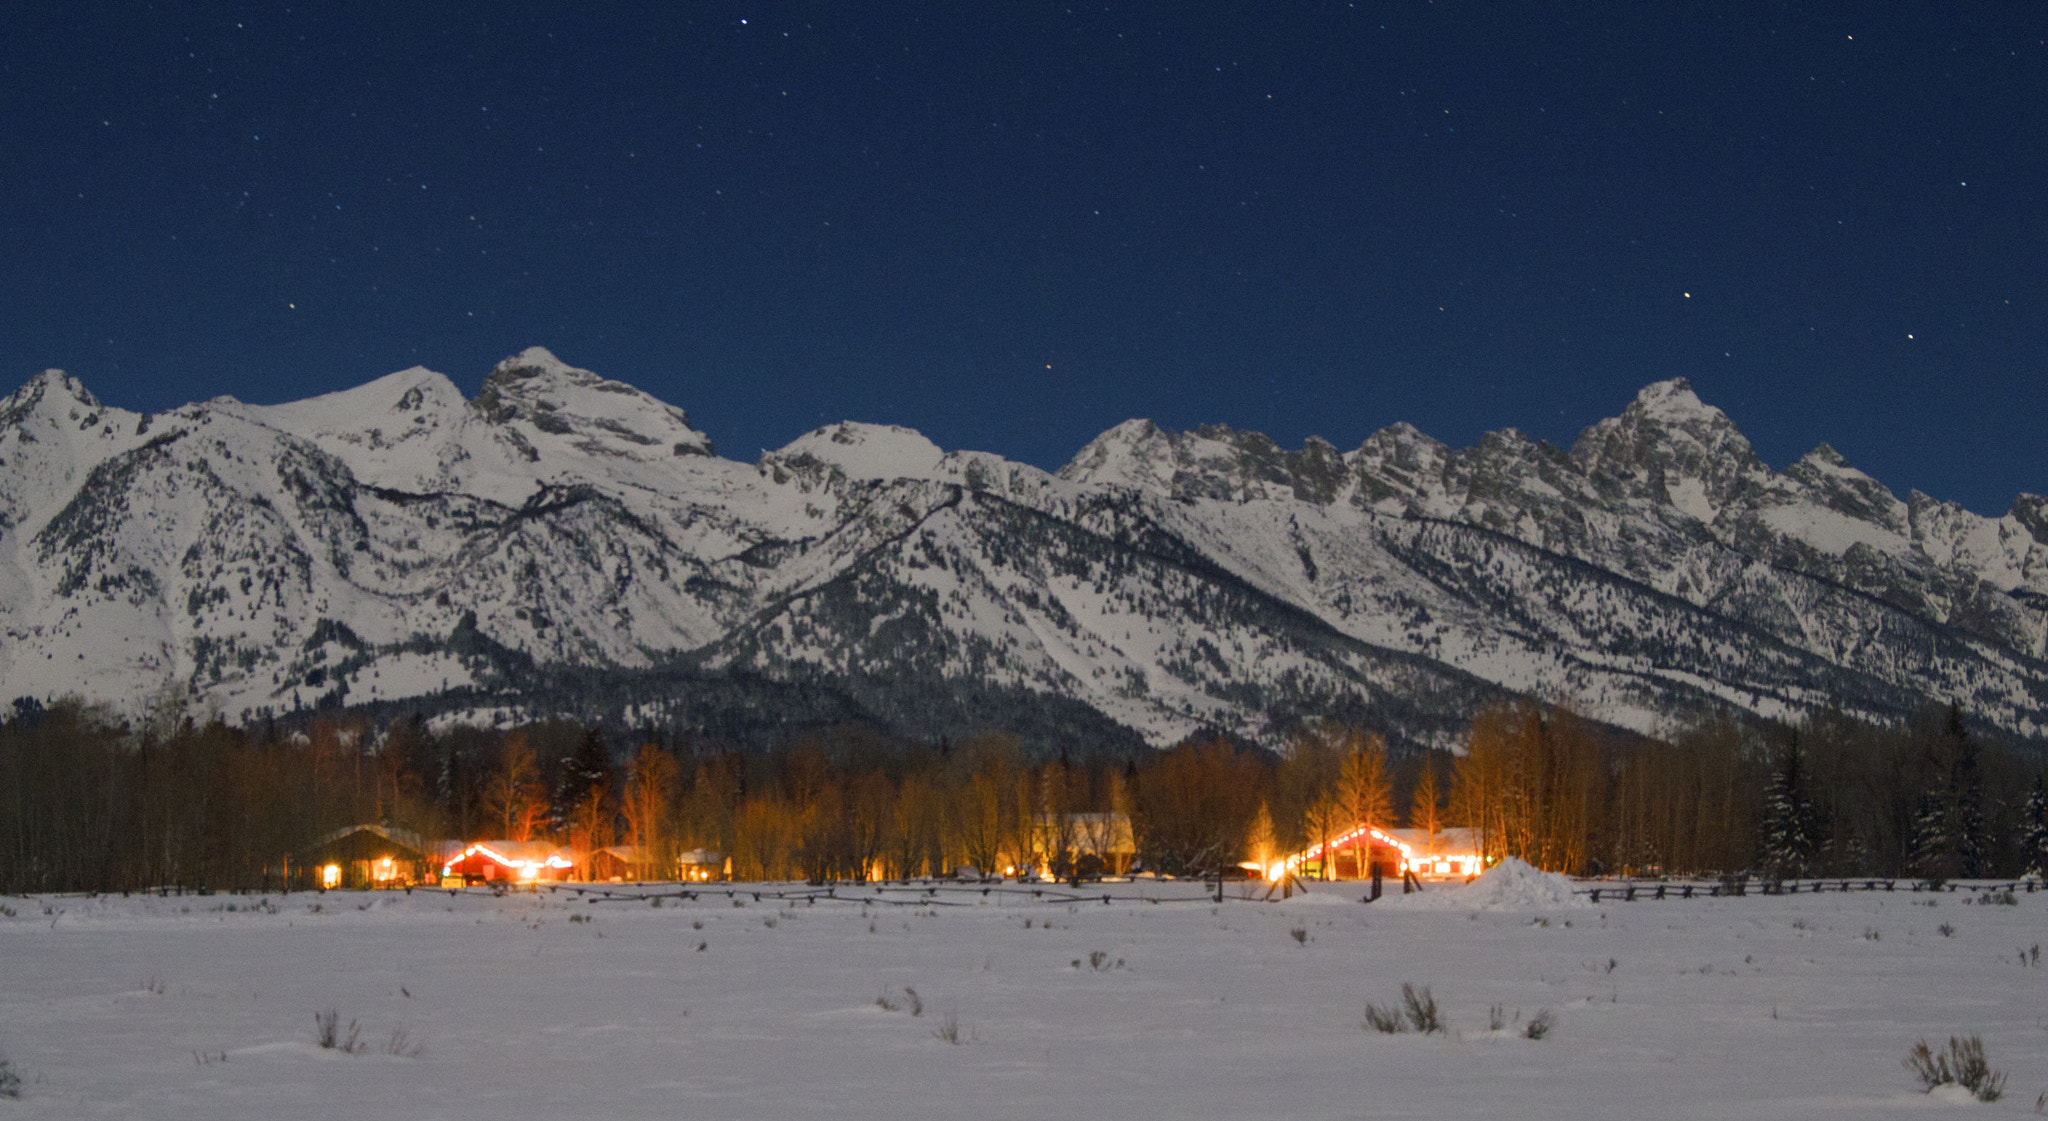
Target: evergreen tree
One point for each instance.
(1786, 841)
(2034, 845)
(1931, 853)
(586, 771)
(1948, 828)
(1965, 795)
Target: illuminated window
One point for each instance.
(330, 876)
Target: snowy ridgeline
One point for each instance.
(1160, 1004)
(565, 544)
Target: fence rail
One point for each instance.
(1727, 887)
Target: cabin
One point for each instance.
(1107, 837)
(615, 864)
(368, 856)
(703, 865)
(482, 862)
(1352, 854)
(1448, 854)
(1097, 844)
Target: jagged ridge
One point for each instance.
(567, 544)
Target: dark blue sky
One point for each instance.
(1014, 225)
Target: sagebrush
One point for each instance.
(1963, 1064)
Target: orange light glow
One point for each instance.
(1342, 840)
(1445, 864)
(525, 869)
(330, 876)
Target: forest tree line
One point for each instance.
(91, 804)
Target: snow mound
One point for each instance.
(1511, 885)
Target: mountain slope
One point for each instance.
(566, 543)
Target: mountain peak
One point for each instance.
(1825, 453)
(557, 399)
(534, 361)
(51, 385)
(520, 376)
(865, 451)
(1670, 398)
(1133, 453)
(1670, 447)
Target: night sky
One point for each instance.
(1013, 225)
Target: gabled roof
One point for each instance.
(403, 838)
(515, 854)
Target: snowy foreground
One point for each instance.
(1157, 1005)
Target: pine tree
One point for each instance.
(1930, 854)
(2034, 845)
(1787, 841)
(586, 772)
(1965, 795)
(1948, 827)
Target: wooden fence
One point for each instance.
(1729, 886)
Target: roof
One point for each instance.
(516, 853)
(521, 850)
(401, 838)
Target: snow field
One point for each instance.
(549, 1006)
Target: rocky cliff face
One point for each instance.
(565, 543)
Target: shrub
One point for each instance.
(1418, 1012)
(949, 1031)
(1540, 1024)
(10, 1082)
(327, 1033)
(1421, 1007)
(1386, 1020)
(1300, 935)
(1963, 1064)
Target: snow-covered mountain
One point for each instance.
(568, 544)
